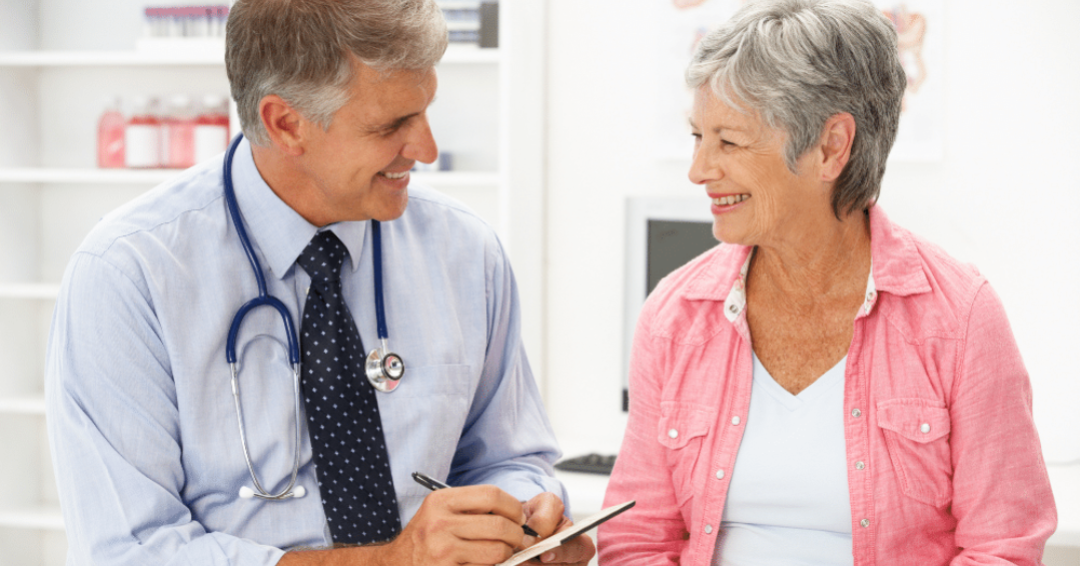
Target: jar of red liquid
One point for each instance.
(110, 143)
(142, 135)
(212, 127)
(178, 133)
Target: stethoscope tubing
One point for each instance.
(378, 359)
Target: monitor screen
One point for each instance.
(673, 243)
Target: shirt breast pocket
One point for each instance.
(682, 431)
(917, 438)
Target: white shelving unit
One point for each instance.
(54, 75)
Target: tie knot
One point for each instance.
(323, 256)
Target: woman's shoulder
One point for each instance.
(688, 303)
(922, 281)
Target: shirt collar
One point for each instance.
(277, 230)
(895, 267)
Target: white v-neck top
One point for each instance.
(788, 501)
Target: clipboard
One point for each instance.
(558, 539)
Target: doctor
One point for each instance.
(144, 425)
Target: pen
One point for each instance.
(434, 484)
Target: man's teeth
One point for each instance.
(390, 175)
(729, 200)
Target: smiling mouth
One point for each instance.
(729, 200)
(390, 175)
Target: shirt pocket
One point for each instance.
(917, 438)
(682, 431)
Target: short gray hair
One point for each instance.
(302, 51)
(796, 63)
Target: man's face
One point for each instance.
(358, 168)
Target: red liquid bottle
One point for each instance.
(110, 142)
(212, 128)
(179, 133)
(142, 136)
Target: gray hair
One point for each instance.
(303, 50)
(796, 63)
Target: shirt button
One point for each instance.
(719, 474)
(856, 413)
(925, 428)
(859, 465)
(673, 433)
(734, 308)
(735, 420)
(708, 529)
(865, 523)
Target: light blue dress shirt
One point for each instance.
(140, 409)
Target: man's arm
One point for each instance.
(114, 428)
(507, 439)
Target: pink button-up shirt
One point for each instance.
(943, 461)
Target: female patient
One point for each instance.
(824, 387)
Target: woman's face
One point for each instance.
(756, 200)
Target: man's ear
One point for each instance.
(836, 142)
(283, 124)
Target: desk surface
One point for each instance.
(587, 497)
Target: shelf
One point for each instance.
(457, 179)
(46, 291)
(108, 59)
(183, 57)
(48, 518)
(448, 179)
(87, 176)
(470, 54)
(22, 406)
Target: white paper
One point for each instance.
(556, 540)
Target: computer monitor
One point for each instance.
(662, 234)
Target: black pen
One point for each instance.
(434, 484)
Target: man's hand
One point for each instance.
(545, 516)
(464, 525)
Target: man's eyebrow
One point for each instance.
(394, 124)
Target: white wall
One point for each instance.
(1005, 196)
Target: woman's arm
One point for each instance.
(1001, 492)
(653, 531)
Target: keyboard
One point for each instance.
(589, 463)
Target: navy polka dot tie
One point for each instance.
(343, 416)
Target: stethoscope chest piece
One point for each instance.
(384, 369)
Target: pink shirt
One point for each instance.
(943, 461)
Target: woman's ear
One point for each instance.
(283, 124)
(836, 142)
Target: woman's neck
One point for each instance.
(829, 261)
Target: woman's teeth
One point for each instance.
(390, 175)
(729, 200)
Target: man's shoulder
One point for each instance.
(190, 196)
(440, 215)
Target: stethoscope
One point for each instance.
(382, 367)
